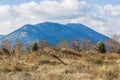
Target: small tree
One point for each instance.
(18, 47)
(101, 47)
(6, 47)
(86, 45)
(113, 44)
(63, 44)
(35, 46)
(75, 44)
(43, 44)
(29, 47)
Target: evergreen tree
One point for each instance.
(101, 47)
(35, 46)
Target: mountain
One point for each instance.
(54, 32)
(1, 36)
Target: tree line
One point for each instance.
(84, 45)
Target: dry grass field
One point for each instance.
(59, 64)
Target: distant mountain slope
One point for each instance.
(54, 32)
(1, 36)
(87, 32)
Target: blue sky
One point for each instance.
(14, 2)
(103, 2)
(91, 2)
(100, 15)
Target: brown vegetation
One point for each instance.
(60, 64)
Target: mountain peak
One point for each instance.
(49, 23)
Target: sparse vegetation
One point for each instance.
(75, 44)
(59, 63)
(112, 44)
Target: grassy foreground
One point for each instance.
(59, 64)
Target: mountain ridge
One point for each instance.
(54, 32)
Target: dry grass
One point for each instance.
(42, 65)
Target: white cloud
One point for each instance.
(3, 10)
(13, 17)
(95, 22)
(53, 9)
(109, 9)
(106, 21)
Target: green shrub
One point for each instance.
(101, 47)
(35, 46)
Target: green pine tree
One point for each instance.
(101, 47)
(35, 46)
